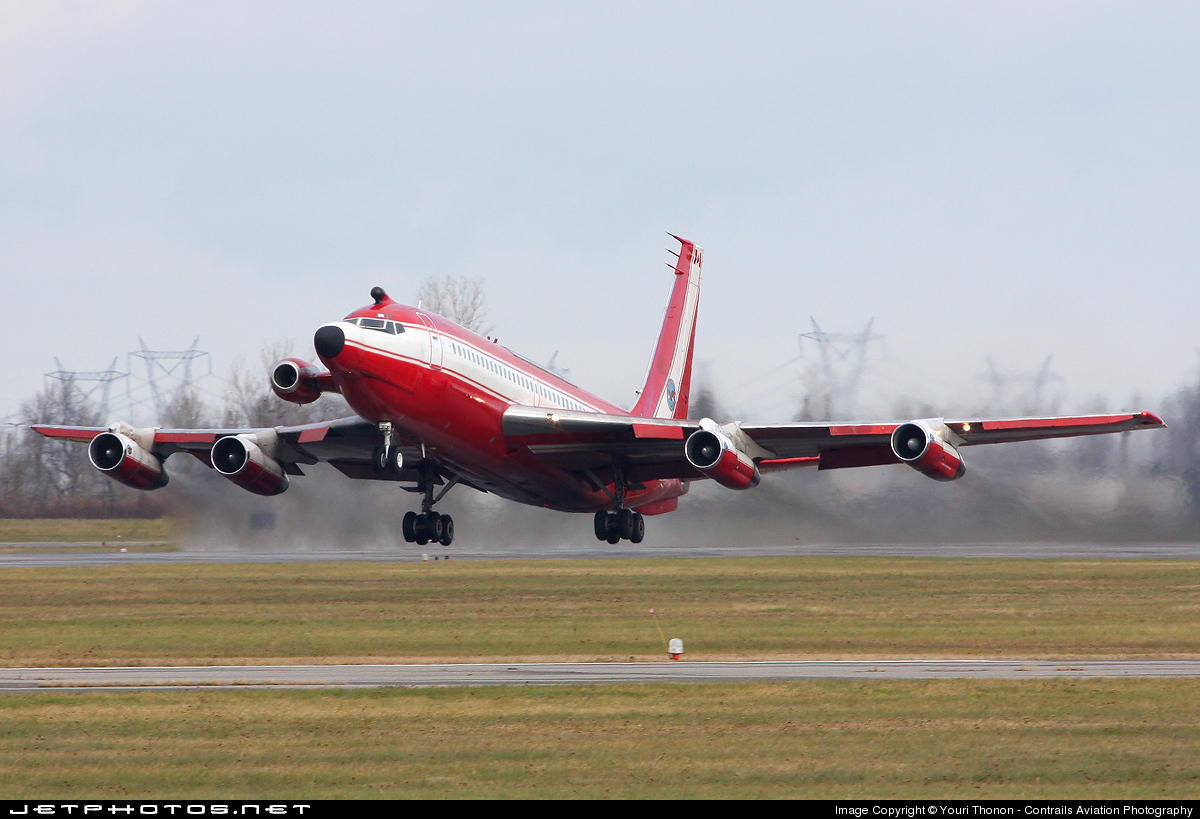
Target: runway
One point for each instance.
(14, 680)
(35, 555)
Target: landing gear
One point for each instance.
(621, 523)
(624, 524)
(389, 457)
(429, 526)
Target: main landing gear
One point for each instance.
(624, 524)
(620, 523)
(428, 527)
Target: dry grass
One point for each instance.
(1085, 739)
(71, 530)
(1062, 739)
(758, 608)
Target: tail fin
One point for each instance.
(669, 382)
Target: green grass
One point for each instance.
(1032, 739)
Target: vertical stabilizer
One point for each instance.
(669, 382)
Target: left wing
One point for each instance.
(652, 448)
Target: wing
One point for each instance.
(346, 443)
(652, 448)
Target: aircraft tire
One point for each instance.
(379, 460)
(409, 527)
(625, 520)
(433, 526)
(638, 528)
(447, 530)
(601, 525)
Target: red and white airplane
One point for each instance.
(439, 406)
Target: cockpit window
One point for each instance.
(382, 325)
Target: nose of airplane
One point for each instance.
(329, 341)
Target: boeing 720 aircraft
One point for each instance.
(440, 406)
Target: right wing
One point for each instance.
(134, 456)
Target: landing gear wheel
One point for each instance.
(625, 523)
(637, 528)
(379, 460)
(409, 527)
(433, 526)
(601, 525)
(447, 530)
(395, 461)
(613, 526)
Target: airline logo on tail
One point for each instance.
(669, 382)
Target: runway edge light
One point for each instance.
(675, 648)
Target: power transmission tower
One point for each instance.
(1021, 392)
(168, 373)
(843, 358)
(101, 381)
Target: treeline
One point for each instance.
(43, 477)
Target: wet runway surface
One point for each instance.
(14, 680)
(57, 554)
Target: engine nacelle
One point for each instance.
(125, 461)
(295, 380)
(712, 452)
(243, 462)
(921, 446)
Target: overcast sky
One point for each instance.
(1015, 180)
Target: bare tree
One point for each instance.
(250, 401)
(460, 299)
(186, 410)
(46, 476)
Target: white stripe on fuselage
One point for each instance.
(470, 363)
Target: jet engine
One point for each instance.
(714, 453)
(921, 445)
(295, 380)
(242, 461)
(124, 460)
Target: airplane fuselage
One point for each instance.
(445, 389)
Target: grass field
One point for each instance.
(69, 530)
(1082, 739)
(754, 608)
(1061, 739)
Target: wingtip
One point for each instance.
(1151, 420)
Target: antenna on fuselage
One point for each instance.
(379, 295)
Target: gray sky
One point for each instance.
(1016, 180)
